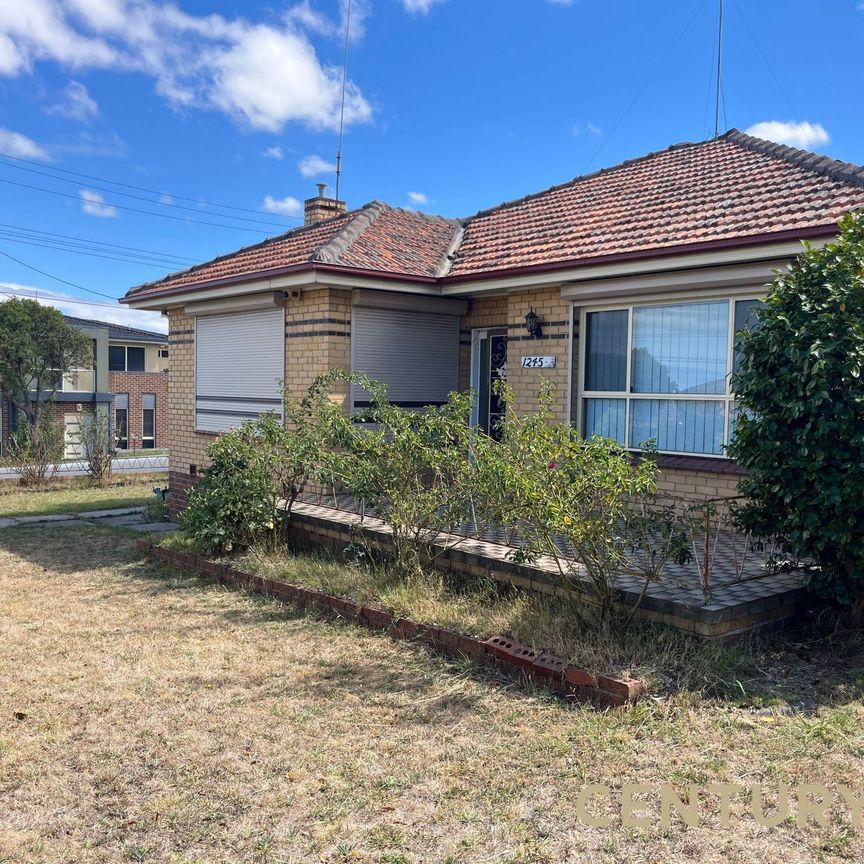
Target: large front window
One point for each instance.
(663, 373)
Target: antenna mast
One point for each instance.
(342, 109)
(719, 71)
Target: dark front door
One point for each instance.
(492, 362)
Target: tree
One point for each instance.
(36, 347)
(800, 433)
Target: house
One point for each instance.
(128, 380)
(625, 287)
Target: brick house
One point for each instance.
(128, 381)
(624, 287)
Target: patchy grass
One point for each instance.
(149, 716)
(666, 659)
(74, 494)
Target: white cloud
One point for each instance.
(313, 166)
(16, 144)
(273, 153)
(264, 75)
(804, 135)
(77, 104)
(589, 127)
(97, 311)
(419, 6)
(287, 206)
(418, 198)
(93, 204)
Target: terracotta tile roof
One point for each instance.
(728, 189)
(374, 237)
(734, 186)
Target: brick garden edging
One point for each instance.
(513, 658)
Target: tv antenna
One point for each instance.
(344, 85)
(719, 72)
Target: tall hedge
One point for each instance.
(801, 431)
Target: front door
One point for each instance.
(488, 364)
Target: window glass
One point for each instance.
(605, 417)
(745, 319)
(681, 348)
(606, 350)
(121, 430)
(116, 358)
(678, 425)
(134, 359)
(121, 400)
(148, 400)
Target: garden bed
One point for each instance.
(511, 657)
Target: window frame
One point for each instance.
(118, 439)
(727, 397)
(125, 350)
(145, 439)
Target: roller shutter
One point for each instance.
(416, 354)
(239, 364)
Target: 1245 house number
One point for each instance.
(538, 363)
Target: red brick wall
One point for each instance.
(136, 384)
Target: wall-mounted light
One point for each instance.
(532, 324)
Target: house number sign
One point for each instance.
(538, 362)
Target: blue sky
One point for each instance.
(452, 106)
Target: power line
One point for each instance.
(645, 86)
(140, 197)
(89, 240)
(55, 278)
(139, 188)
(159, 265)
(35, 295)
(136, 209)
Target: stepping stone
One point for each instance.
(35, 520)
(106, 514)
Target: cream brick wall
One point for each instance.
(318, 338)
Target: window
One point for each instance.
(121, 420)
(163, 353)
(239, 367)
(125, 359)
(148, 426)
(663, 372)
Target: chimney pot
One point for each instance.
(319, 208)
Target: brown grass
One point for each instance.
(75, 494)
(148, 716)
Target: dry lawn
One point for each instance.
(150, 716)
(76, 494)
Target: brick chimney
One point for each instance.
(321, 207)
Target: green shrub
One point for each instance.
(590, 494)
(409, 468)
(800, 434)
(258, 470)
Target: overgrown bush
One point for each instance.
(800, 433)
(35, 450)
(97, 444)
(587, 504)
(256, 473)
(411, 469)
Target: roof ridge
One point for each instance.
(298, 229)
(580, 177)
(333, 250)
(845, 172)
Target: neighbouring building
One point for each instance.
(128, 380)
(625, 287)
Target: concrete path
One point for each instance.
(134, 518)
(127, 465)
